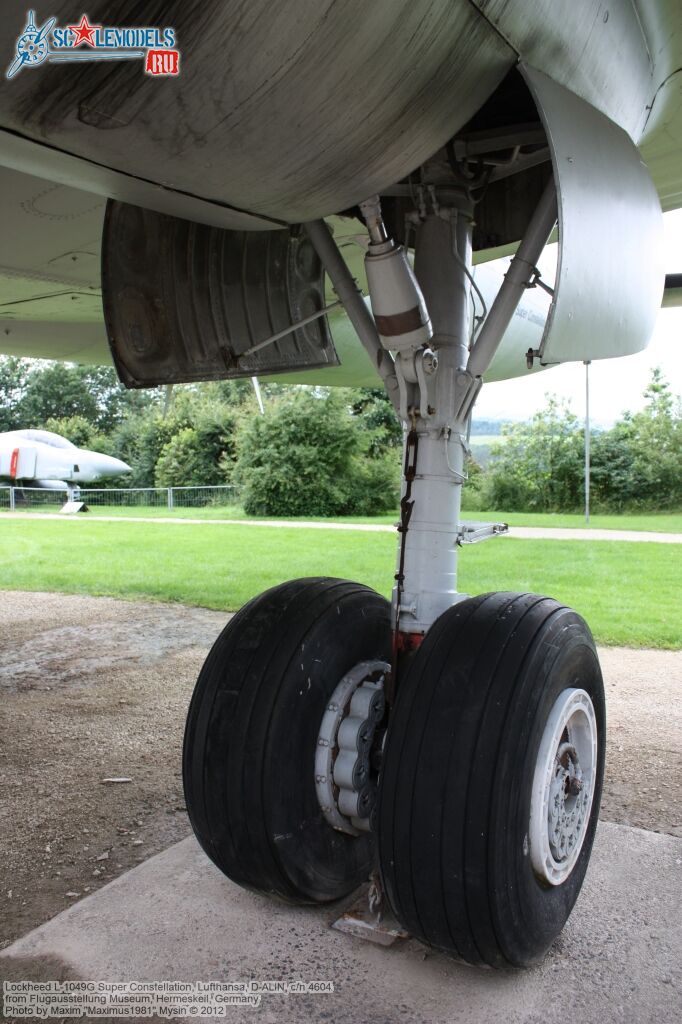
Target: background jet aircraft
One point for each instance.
(44, 459)
(451, 745)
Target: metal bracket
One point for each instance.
(365, 919)
(403, 398)
(289, 330)
(535, 282)
(425, 363)
(468, 388)
(531, 355)
(474, 533)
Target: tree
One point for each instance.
(114, 401)
(199, 455)
(377, 418)
(14, 374)
(139, 441)
(657, 463)
(54, 391)
(182, 462)
(611, 459)
(151, 444)
(539, 464)
(234, 392)
(638, 463)
(306, 457)
(45, 390)
(80, 432)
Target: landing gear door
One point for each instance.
(610, 273)
(186, 302)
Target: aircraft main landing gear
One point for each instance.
(454, 743)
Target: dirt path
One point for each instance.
(94, 688)
(522, 532)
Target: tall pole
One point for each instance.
(259, 397)
(587, 441)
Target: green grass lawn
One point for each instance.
(629, 593)
(657, 522)
(221, 512)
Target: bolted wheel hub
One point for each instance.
(349, 737)
(567, 801)
(563, 786)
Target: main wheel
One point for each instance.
(492, 778)
(255, 726)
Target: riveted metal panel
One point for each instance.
(186, 302)
(609, 273)
(289, 111)
(595, 49)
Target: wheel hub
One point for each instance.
(563, 786)
(345, 778)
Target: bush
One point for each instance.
(636, 465)
(374, 485)
(80, 432)
(139, 441)
(306, 457)
(199, 455)
(474, 494)
(539, 465)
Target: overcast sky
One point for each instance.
(519, 399)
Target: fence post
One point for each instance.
(170, 497)
(11, 499)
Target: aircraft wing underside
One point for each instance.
(239, 157)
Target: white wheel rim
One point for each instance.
(563, 786)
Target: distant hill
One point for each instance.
(490, 428)
(481, 445)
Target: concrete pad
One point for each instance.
(175, 917)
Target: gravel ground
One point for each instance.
(96, 688)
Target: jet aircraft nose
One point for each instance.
(107, 465)
(94, 465)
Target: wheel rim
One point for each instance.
(344, 779)
(563, 786)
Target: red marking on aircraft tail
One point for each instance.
(13, 464)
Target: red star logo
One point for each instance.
(84, 32)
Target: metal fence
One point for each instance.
(113, 498)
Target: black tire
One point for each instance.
(251, 734)
(455, 788)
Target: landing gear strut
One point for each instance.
(456, 743)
